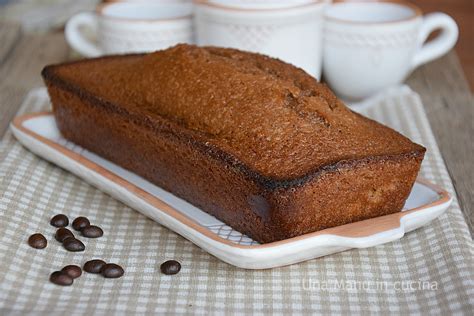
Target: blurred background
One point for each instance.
(50, 15)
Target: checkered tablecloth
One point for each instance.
(429, 270)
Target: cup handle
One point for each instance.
(76, 38)
(441, 44)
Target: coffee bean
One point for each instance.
(170, 267)
(37, 241)
(92, 231)
(59, 220)
(73, 244)
(60, 278)
(63, 233)
(80, 223)
(94, 266)
(72, 270)
(112, 270)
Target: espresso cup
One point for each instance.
(289, 30)
(123, 27)
(372, 45)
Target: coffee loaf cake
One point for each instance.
(256, 142)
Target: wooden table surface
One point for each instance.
(441, 84)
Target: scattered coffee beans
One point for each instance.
(170, 267)
(92, 231)
(60, 278)
(67, 275)
(80, 222)
(112, 270)
(73, 244)
(94, 266)
(37, 241)
(72, 270)
(59, 220)
(63, 233)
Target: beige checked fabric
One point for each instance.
(428, 271)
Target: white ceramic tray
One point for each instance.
(38, 132)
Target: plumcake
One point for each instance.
(256, 142)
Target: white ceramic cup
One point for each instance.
(123, 27)
(289, 30)
(372, 45)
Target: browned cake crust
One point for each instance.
(254, 141)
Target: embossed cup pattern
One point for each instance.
(378, 58)
(124, 27)
(292, 34)
(370, 46)
(117, 40)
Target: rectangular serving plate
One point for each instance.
(38, 132)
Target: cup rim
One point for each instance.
(99, 10)
(416, 10)
(242, 9)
